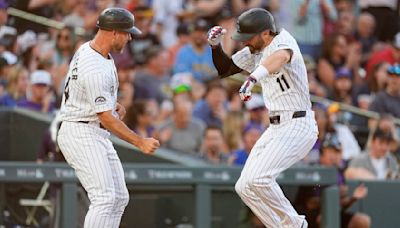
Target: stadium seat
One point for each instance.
(31, 205)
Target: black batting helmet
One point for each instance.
(253, 22)
(118, 19)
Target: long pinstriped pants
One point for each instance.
(278, 148)
(90, 153)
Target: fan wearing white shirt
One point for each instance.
(377, 162)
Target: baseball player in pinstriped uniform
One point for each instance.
(272, 57)
(89, 111)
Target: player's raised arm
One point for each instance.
(224, 64)
(118, 128)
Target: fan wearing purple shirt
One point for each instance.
(40, 98)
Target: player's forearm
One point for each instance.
(271, 64)
(223, 63)
(119, 129)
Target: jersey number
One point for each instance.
(281, 80)
(66, 90)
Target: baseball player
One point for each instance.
(89, 111)
(273, 59)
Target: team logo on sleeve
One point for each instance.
(100, 100)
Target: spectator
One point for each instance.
(214, 148)
(386, 15)
(125, 94)
(340, 125)
(181, 85)
(308, 198)
(364, 35)
(209, 9)
(336, 53)
(309, 22)
(386, 123)
(17, 87)
(166, 20)
(316, 88)
(388, 100)
(182, 132)
(41, 95)
(250, 135)
(140, 118)
(345, 25)
(4, 4)
(196, 57)
(342, 86)
(152, 81)
(376, 80)
(29, 50)
(377, 162)
(211, 109)
(324, 127)
(141, 43)
(389, 54)
(257, 111)
(328, 121)
(232, 128)
(234, 102)
(183, 38)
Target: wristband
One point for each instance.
(260, 72)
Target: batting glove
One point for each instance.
(245, 89)
(215, 35)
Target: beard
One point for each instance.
(257, 46)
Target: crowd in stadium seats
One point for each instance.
(171, 89)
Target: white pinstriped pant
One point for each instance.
(276, 150)
(91, 154)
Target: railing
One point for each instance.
(202, 179)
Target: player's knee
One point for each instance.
(122, 200)
(240, 187)
(244, 185)
(104, 202)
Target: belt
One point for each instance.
(277, 119)
(87, 122)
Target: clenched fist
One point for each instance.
(215, 35)
(148, 145)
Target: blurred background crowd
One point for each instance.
(170, 87)
(171, 90)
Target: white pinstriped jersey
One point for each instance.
(287, 89)
(91, 86)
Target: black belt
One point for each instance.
(277, 119)
(86, 122)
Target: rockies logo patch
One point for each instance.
(100, 100)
